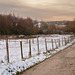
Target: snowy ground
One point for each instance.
(16, 64)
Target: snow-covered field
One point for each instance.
(16, 64)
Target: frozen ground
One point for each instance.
(16, 65)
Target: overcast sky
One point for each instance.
(40, 9)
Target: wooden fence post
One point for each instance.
(38, 44)
(7, 50)
(62, 41)
(21, 50)
(56, 43)
(52, 44)
(68, 40)
(29, 48)
(59, 42)
(65, 40)
(46, 45)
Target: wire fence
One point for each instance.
(23, 49)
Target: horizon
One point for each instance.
(36, 19)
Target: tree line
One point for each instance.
(11, 24)
(70, 26)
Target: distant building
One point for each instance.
(57, 22)
(60, 26)
(38, 24)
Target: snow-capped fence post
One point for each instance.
(68, 40)
(29, 48)
(71, 38)
(65, 40)
(7, 50)
(56, 43)
(62, 41)
(21, 50)
(46, 45)
(38, 44)
(59, 42)
(52, 44)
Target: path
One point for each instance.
(63, 63)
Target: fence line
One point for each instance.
(57, 42)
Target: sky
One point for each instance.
(47, 10)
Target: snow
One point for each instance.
(16, 64)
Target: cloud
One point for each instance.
(41, 9)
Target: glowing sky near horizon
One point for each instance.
(40, 9)
(38, 3)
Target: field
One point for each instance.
(15, 48)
